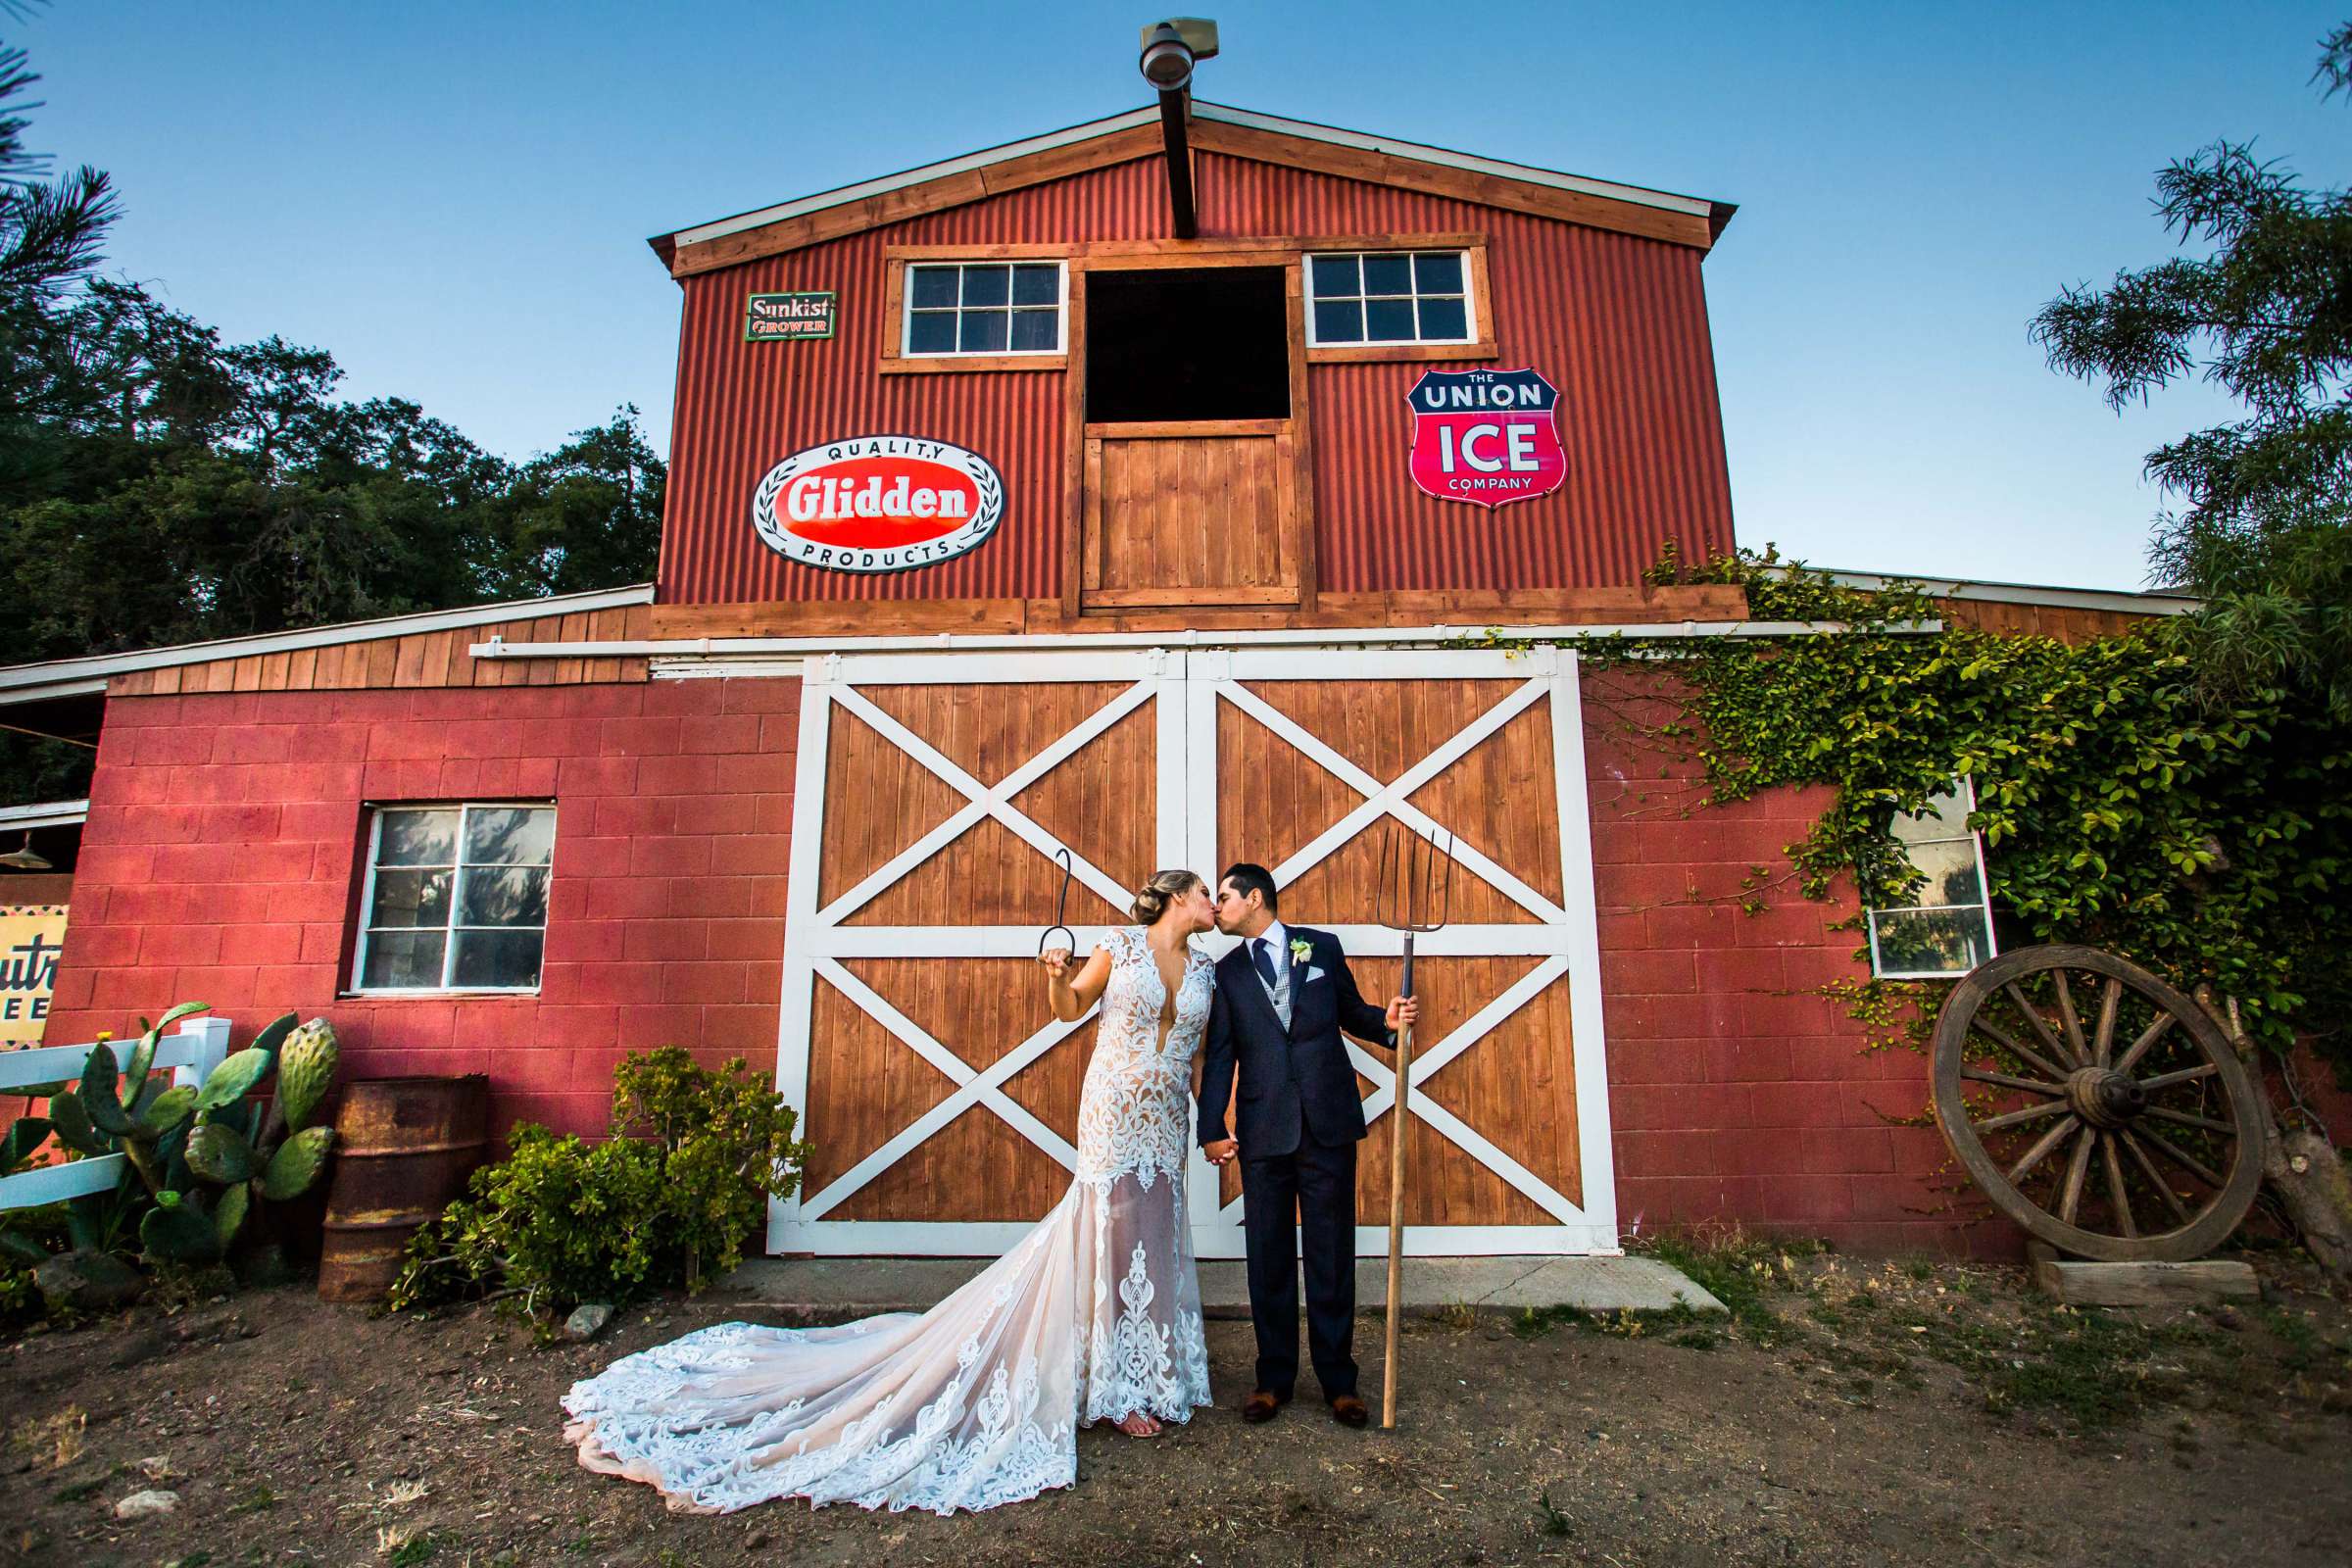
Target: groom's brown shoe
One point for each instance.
(1348, 1411)
(1260, 1406)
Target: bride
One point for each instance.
(1095, 1316)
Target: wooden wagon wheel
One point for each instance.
(2050, 1061)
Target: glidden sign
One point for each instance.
(878, 503)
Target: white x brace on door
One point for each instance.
(1181, 694)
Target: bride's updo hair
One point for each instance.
(1152, 898)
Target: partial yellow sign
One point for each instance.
(31, 938)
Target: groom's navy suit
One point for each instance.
(1298, 1121)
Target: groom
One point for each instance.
(1283, 996)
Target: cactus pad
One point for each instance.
(100, 1094)
(296, 1165)
(229, 1216)
(306, 1070)
(220, 1153)
(229, 1082)
(179, 1233)
(168, 1110)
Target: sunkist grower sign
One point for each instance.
(1487, 437)
(878, 503)
(788, 318)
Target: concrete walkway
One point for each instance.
(850, 1286)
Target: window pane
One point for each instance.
(986, 285)
(407, 959)
(417, 838)
(1336, 274)
(1389, 321)
(1341, 323)
(405, 897)
(508, 894)
(1035, 329)
(1438, 271)
(1943, 818)
(1443, 321)
(1930, 940)
(930, 287)
(498, 958)
(1037, 285)
(517, 835)
(983, 332)
(932, 332)
(1388, 274)
(1951, 868)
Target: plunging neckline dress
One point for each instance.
(1092, 1316)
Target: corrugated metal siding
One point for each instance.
(1618, 323)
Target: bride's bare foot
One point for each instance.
(1136, 1424)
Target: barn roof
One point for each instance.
(1215, 127)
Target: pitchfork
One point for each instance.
(1411, 888)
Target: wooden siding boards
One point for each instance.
(1617, 322)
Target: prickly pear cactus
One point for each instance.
(220, 1153)
(179, 1230)
(229, 1082)
(306, 1070)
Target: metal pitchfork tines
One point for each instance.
(1414, 895)
(1061, 907)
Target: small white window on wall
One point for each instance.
(1947, 930)
(984, 308)
(456, 898)
(1389, 297)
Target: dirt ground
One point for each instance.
(1850, 1411)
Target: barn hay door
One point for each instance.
(1508, 1114)
(939, 1092)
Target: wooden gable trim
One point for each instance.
(914, 201)
(1462, 185)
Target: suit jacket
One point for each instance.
(1289, 1079)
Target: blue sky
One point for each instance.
(453, 199)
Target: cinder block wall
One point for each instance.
(223, 857)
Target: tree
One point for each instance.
(2263, 528)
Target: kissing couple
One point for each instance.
(1095, 1316)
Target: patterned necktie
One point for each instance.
(1261, 952)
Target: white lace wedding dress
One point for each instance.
(1091, 1316)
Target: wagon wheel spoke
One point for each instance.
(1994, 1124)
(2146, 1041)
(2189, 1163)
(2040, 1026)
(2002, 1039)
(2185, 1119)
(2164, 1189)
(2165, 1080)
(2102, 1043)
(2041, 1148)
(2117, 1198)
(2070, 1200)
(2032, 1085)
(2067, 1018)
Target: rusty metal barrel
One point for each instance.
(404, 1148)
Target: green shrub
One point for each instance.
(666, 1200)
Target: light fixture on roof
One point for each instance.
(1170, 49)
(24, 857)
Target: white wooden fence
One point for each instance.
(193, 1049)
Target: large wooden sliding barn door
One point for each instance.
(1318, 752)
(937, 1089)
(934, 792)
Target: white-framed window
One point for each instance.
(984, 308)
(454, 898)
(1947, 930)
(1371, 297)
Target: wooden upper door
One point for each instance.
(1193, 478)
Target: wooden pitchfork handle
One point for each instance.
(1396, 1136)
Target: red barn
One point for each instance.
(1003, 523)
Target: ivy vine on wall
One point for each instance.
(2119, 806)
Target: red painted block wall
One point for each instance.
(1738, 1092)
(222, 857)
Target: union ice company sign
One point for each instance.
(1487, 437)
(878, 503)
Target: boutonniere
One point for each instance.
(1301, 950)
